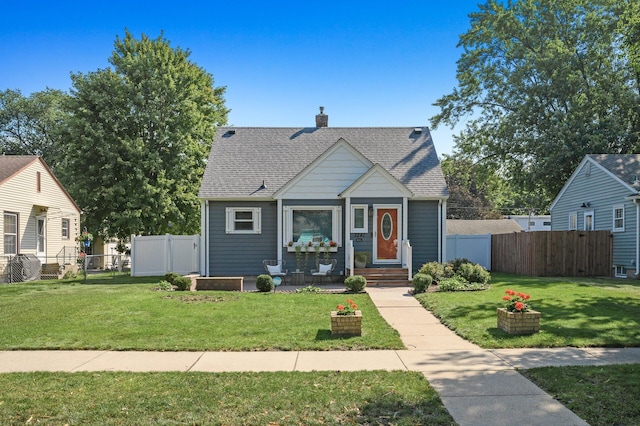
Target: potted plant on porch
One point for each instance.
(361, 258)
(517, 317)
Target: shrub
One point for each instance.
(474, 273)
(171, 277)
(421, 282)
(452, 284)
(164, 285)
(458, 283)
(182, 283)
(457, 263)
(434, 269)
(264, 283)
(355, 283)
(178, 281)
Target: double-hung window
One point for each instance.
(618, 218)
(243, 220)
(10, 233)
(65, 229)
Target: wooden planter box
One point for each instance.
(347, 325)
(518, 322)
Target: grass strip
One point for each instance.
(318, 398)
(601, 395)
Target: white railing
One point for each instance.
(350, 255)
(407, 258)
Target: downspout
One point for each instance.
(347, 238)
(443, 230)
(204, 237)
(635, 201)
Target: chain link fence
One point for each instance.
(29, 267)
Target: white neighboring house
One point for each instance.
(533, 223)
(38, 216)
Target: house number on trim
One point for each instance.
(387, 226)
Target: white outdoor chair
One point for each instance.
(276, 268)
(324, 268)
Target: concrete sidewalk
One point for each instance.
(477, 386)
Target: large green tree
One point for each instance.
(541, 84)
(138, 137)
(31, 125)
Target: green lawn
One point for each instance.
(604, 395)
(105, 315)
(318, 398)
(575, 312)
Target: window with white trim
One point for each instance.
(313, 224)
(359, 218)
(66, 226)
(573, 221)
(10, 233)
(620, 272)
(242, 220)
(618, 218)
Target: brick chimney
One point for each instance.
(322, 119)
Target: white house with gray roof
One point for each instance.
(267, 190)
(603, 194)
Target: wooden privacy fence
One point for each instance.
(553, 253)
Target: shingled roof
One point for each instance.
(243, 157)
(623, 166)
(10, 165)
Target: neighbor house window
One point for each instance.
(621, 272)
(244, 220)
(359, 219)
(10, 233)
(618, 218)
(573, 221)
(65, 228)
(38, 182)
(311, 224)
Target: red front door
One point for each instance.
(387, 235)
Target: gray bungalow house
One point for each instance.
(375, 190)
(602, 194)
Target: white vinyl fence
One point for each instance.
(476, 248)
(158, 254)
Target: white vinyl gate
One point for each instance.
(476, 248)
(155, 255)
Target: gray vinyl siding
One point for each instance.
(602, 192)
(423, 232)
(241, 254)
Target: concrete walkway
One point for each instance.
(477, 386)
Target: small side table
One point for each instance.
(298, 277)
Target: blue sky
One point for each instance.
(368, 63)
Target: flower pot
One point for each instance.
(346, 325)
(518, 322)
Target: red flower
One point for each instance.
(506, 297)
(519, 306)
(510, 292)
(340, 308)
